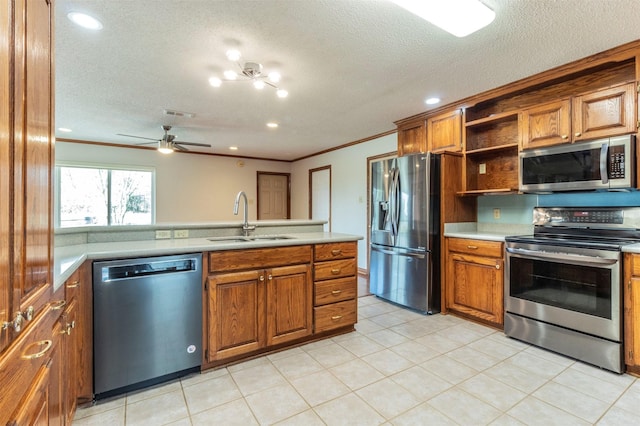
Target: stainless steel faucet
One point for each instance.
(245, 226)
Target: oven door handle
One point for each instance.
(575, 259)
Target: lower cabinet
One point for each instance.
(252, 308)
(474, 279)
(631, 291)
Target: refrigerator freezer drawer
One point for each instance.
(403, 277)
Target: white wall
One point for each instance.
(189, 187)
(348, 187)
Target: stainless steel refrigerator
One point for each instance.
(404, 262)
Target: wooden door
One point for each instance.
(604, 113)
(548, 124)
(273, 196)
(236, 313)
(289, 303)
(412, 138)
(444, 132)
(33, 156)
(475, 286)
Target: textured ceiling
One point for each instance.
(352, 67)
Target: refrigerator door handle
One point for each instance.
(395, 208)
(407, 254)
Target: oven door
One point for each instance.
(570, 287)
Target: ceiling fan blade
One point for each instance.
(194, 144)
(178, 147)
(146, 143)
(139, 137)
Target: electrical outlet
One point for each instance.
(161, 235)
(482, 168)
(496, 213)
(181, 233)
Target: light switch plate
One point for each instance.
(181, 233)
(482, 168)
(496, 213)
(161, 234)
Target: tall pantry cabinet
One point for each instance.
(27, 310)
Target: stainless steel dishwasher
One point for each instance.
(147, 321)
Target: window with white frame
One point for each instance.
(104, 196)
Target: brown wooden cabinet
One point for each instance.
(444, 132)
(335, 286)
(475, 279)
(547, 124)
(606, 112)
(412, 137)
(257, 298)
(631, 291)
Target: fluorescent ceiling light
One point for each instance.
(458, 17)
(85, 20)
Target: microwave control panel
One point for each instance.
(616, 162)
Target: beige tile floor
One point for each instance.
(398, 368)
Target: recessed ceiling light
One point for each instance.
(272, 125)
(458, 17)
(64, 129)
(233, 148)
(432, 101)
(84, 20)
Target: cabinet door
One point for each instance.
(236, 313)
(548, 124)
(444, 132)
(412, 138)
(475, 286)
(604, 113)
(71, 349)
(34, 408)
(632, 310)
(84, 335)
(32, 155)
(289, 303)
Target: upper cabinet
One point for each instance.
(412, 137)
(444, 131)
(597, 114)
(604, 113)
(547, 124)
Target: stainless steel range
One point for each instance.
(563, 285)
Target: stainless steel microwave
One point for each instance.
(599, 164)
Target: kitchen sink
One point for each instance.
(238, 239)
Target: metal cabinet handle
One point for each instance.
(335, 271)
(472, 247)
(70, 326)
(269, 277)
(336, 317)
(578, 134)
(336, 252)
(565, 137)
(16, 323)
(44, 344)
(74, 284)
(336, 291)
(55, 306)
(261, 277)
(28, 314)
(497, 266)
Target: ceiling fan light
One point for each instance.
(274, 77)
(258, 84)
(233, 54)
(230, 75)
(165, 147)
(282, 93)
(215, 82)
(458, 17)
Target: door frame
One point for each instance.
(288, 176)
(311, 172)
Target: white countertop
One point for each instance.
(68, 258)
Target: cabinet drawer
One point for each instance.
(335, 269)
(635, 264)
(335, 315)
(478, 247)
(334, 251)
(236, 260)
(332, 291)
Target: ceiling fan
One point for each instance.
(167, 144)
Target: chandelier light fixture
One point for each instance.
(250, 71)
(458, 17)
